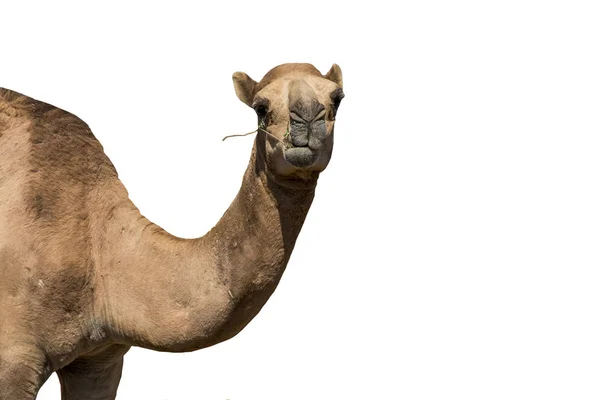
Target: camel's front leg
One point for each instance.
(23, 370)
(93, 376)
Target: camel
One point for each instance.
(84, 276)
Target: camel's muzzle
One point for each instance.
(308, 138)
(308, 134)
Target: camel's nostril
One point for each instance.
(299, 133)
(319, 129)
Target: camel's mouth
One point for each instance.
(301, 157)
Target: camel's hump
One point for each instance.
(62, 149)
(15, 104)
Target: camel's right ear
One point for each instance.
(335, 75)
(244, 87)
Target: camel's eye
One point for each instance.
(336, 99)
(261, 111)
(261, 106)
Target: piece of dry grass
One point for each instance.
(285, 141)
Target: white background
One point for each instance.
(452, 251)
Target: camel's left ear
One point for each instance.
(335, 75)
(244, 87)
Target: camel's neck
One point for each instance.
(175, 295)
(253, 241)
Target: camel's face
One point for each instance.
(296, 106)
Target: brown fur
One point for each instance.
(84, 276)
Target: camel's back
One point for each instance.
(50, 167)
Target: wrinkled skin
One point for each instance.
(84, 276)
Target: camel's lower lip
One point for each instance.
(301, 157)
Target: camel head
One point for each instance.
(296, 107)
